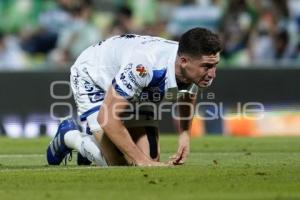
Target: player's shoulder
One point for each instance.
(143, 40)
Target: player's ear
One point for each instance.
(183, 60)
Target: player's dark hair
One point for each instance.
(198, 42)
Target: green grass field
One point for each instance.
(218, 168)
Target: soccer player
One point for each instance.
(110, 82)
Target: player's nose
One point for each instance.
(212, 73)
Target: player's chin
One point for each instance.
(204, 84)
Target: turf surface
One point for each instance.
(218, 168)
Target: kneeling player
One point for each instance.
(123, 72)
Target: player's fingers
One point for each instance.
(177, 159)
(181, 162)
(173, 156)
(179, 153)
(176, 156)
(171, 163)
(161, 165)
(173, 160)
(178, 163)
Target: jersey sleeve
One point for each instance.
(134, 75)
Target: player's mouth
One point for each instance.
(204, 82)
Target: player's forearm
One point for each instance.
(184, 124)
(186, 112)
(109, 119)
(120, 136)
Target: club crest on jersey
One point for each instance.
(141, 70)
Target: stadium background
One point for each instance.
(39, 40)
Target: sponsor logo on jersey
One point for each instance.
(88, 86)
(128, 68)
(125, 82)
(132, 78)
(99, 96)
(141, 70)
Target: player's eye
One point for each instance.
(207, 66)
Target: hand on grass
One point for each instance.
(183, 149)
(151, 163)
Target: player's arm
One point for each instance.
(109, 120)
(127, 84)
(186, 104)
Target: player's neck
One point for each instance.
(179, 72)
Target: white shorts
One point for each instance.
(89, 98)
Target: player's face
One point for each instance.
(200, 71)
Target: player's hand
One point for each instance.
(146, 162)
(152, 164)
(183, 149)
